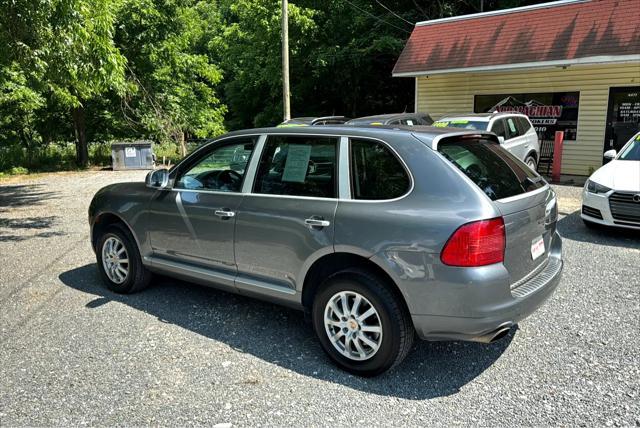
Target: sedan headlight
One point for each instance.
(593, 187)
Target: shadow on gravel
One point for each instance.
(572, 227)
(21, 229)
(23, 195)
(280, 336)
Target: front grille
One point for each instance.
(623, 208)
(531, 285)
(591, 212)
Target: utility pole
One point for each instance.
(285, 60)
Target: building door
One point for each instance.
(623, 116)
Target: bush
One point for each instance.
(171, 152)
(58, 156)
(61, 156)
(18, 170)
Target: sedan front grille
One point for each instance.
(623, 208)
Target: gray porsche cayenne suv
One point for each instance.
(379, 234)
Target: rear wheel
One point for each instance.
(361, 324)
(119, 261)
(531, 163)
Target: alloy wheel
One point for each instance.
(353, 325)
(115, 260)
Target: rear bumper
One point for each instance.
(505, 310)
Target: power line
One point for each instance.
(394, 14)
(377, 18)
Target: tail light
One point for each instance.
(478, 243)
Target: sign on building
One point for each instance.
(549, 112)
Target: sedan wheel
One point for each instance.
(531, 163)
(353, 325)
(115, 260)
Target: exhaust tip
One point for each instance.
(500, 334)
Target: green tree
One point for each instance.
(84, 63)
(63, 50)
(19, 107)
(170, 46)
(251, 58)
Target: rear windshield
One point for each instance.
(461, 123)
(497, 172)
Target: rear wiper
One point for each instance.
(528, 181)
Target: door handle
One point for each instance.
(316, 222)
(224, 213)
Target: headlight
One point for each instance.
(593, 187)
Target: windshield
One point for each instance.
(632, 152)
(461, 123)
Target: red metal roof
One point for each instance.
(550, 33)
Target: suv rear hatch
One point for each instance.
(524, 199)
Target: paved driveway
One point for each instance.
(72, 352)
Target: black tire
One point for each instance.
(397, 329)
(530, 160)
(138, 276)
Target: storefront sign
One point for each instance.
(549, 112)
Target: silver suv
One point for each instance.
(377, 233)
(514, 130)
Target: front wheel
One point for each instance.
(361, 324)
(119, 261)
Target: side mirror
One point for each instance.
(610, 154)
(501, 139)
(158, 179)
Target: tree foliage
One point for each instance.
(171, 70)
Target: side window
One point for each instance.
(221, 169)
(523, 125)
(498, 128)
(298, 166)
(375, 172)
(425, 120)
(512, 128)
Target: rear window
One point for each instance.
(494, 170)
(461, 123)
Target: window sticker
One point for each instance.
(297, 163)
(130, 152)
(460, 122)
(439, 124)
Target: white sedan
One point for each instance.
(611, 196)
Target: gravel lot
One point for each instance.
(72, 353)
